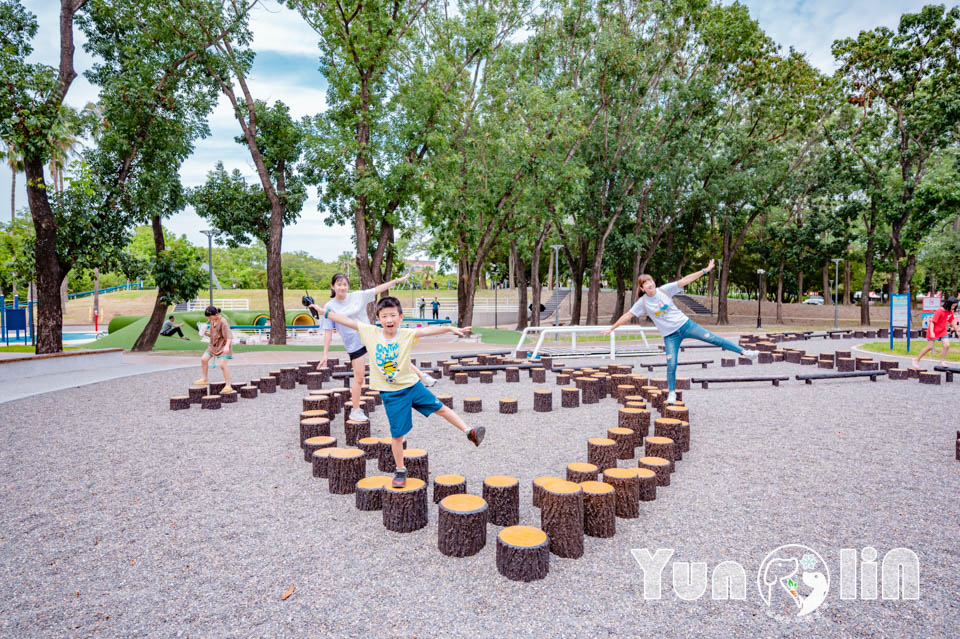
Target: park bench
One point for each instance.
(702, 362)
(706, 381)
(808, 378)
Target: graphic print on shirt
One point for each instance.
(387, 355)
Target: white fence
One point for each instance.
(230, 304)
(575, 330)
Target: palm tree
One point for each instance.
(14, 157)
(63, 140)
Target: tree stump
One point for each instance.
(914, 373)
(268, 384)
(180, 402)
(417, 463)
(472, 405)
(302, 371)
(320, 460)
(446, 485)
(637, 420)
(599, 509)
(648, 391)
(660, 467)
(461, 378)
(315, 443)
(671, 429)
(385, 461)
(868, 365)
(425, 364)
(513, 374)
(764, 358)
(523, 553)
(846, 364)
(248, 392)
(355, 430)
(656, 399)
(542, 401)
(792, 356)
(210, 402)
(647, 483)
(547, 362)
(659, 446)
(623, 391)
(538, 485)
(370, 492)
(370, 447)
(659, 382)
(898, 373)
(683, 383)
(314, 380)
(603, 385)
(590, 391)
(333, 361)
(461, 525)
(888, 365)
(539, 375)
(313, 427)
(569, 397)
(930, 377)
(627, 486)
(508, 406)
(288, 378)
(677, 412)
(405, 509)
(602, 452)
(446, 400)
(502, 494)
(216, 387)
(744, 361)
(638, 381)
(825, 363)
(562, 379)
(196, 393)
(368, 404)
(808, 360)
(579, 472)
(345, 467)
(325, 374)
(316, 402)
(561, 517)
(625, 438)
(486, 377)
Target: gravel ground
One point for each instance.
(122, 518)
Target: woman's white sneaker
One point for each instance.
(671, 397)
(749, 354)
(358, 415)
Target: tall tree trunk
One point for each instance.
(621, 296)
(535, 274)
(63, 296)
(865, 289)
(779, 289)
(466, 291)
(148, 337)
(722, 317)
(800, 291)
(826, 284)
(511, 269)
(577, 268)
(521, 282)
(905, 271)
(278, 318)
(551, 284)
(846, 282)
(711, 283)
(49, 269)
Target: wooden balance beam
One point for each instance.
(949, 370)
(460, 356)
(459, 368)
(809, 377)
(706, 381)
(702, 362)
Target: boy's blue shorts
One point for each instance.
(399, 405)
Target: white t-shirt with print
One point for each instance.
(353, 306)
(661, 309)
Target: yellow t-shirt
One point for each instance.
(390, 368)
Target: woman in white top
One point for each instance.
(674, 326)
(354, 305)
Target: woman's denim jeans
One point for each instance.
(694, 331)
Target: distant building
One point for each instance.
(417, 266)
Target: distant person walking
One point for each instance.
(423, 306)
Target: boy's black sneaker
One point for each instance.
(399, 478)
(475, 435)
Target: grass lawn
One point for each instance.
(21, 348)
(916, 345)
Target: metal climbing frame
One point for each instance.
(574, 330)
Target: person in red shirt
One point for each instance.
(937, 330)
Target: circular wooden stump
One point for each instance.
(385, 461)
(888, 365)
(417, 463)
(355, 430)
(627, 486)
(589, 390)
(216, 387)
(370, 447)
(320, 459)
(622, 391)
(369, 404)
(659, 382)
(648, 392)
(370, 492)
(461, 525)
(846, 364)
(647, 484)
(472, 405)
(660, 467)
(405, 509)
(314, 380)
(268, 384)
(248, 392)
(538, 485)
(210, 402)
(569, 397)
(914, 373)
(562, 379)
(602, 452)
(683, 383)
(502, 494)
(898, 373)
(229, 398)
(579, 472)
(728, 362)
(671, 429)
(930, 377)
(539, 375)
(599, 509)
(508, 406)
(196, 393)
(561, 517)
(315, 443)
(542, 401)
(302, 371)
(461, 378)
(658, 446)
(625, 438)
(180, 402)
(446, 485)
(288, 378)
(345, 467)
(313, 427)
(446, 400)
(513, 374)
(523, 553)
(677, 412)
(486, 377)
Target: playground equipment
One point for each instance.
(573, 351)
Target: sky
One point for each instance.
(286, 69)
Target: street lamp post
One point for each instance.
(556, 279)
(836, 285)
(760, 273)
(210, 233)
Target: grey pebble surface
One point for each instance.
(123, 518)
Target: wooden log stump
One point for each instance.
(539, 375)
(461, 525)
(562, 379)
(417, 463)
(888, 365)
(869, 365)
(914, 373)
(602, 452)
(538, 485)
(677, 412)
(590, 391)
(210, 402)
(325, 374)
(930, 377)
(547, 362)
(637, 420)
(288, 378)
(603, 385)
(659, 382)
(385, 461)
(579, 472)
(744, 361)
(825, 363)
(215, 387)
(659, 446)
(405, 509)
(446, 485)
(425, 364)
(302, 371)
(315, 443)
(599, 509)
(683, 383)
(625, 438)
(316, 402)
(561, 517)
(248, 392)
(671, 429)
(846, 364)
(513, 374)
(542, 401)
(314, 380)
(808, 360)
(345, 467)
(764, 358)
(313, 427)
(647, 483)
(486, 377)
(446, 400)
(370, 447)
(638, 381)
(627, 486)
(622, 391)
(570, 397)
(660, 466)
(656, 399)
(196, 393)
(268, 384)
(461, 378)
(320, 459)
(648, 391)
(355, 430)
(502, 494)
(370, 492)
(523, 553)
(180, 402)
(472, 405)
(508, 406)
(792, 356)
(368, 403)
(898, 373)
